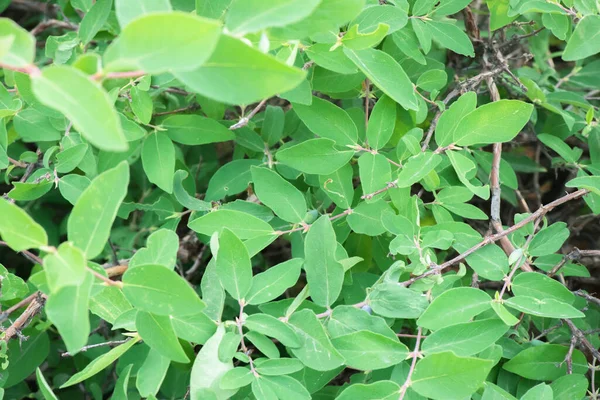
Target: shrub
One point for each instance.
(285, 199)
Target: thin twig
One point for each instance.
(588, 297)
(305, 227)
(540, 212)
(245, 120)
(24, 319)
(26, 301)
(415, 355)
(94, 346)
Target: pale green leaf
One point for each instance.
(84, 103)
(158, 159)
(386, 74)
(160, 41)
(18, 229)
(92, 217)
(156, 289)
(236, 73)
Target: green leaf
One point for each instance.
(92, 217)
(465, 339)
(504, 118)
(279, 366)
(273, 327)
(431, 80)
(263, 344)
(381, 123)
(279, 195)
(366, 218)
(356, 40)
(248, 74)
(195, 130)
(541, 287)
(386, 74)
(20, 44)
(65, 267)
(417, 168)
(94, 20)
(545, 362)
(584, 40)
(348, 319)
(315, 156)
(539, 392)
(549, 239)
(375, 173)
(109, 303)
(504, 314)
(286, 387)
(591, 183)
(232, 178)
(24, 357)
(158, 333)
(317, 351)
(333, 60)
(271, 284)
(160, 42)
(445, 376)
(365, 350)
(67, 308)
(324, 274)
(236, 378)
(464, 167)
(451, 37)
(197, 328)
(120, 391)
(450, 7)
(328, 16)
(45, 389)
(243, 225)
(84, 103)
(381, 390)
(161, 291)
(161, 249)
(127, 11)
(141, 104)
(208, 370)
(549, 307)
(394, 301)
(18, 229)
(327, 120)
(255, 15)
(569, 387)
(450, 119)
(71, 186)
(395, 17)
(158, 159)
(454, 306)
(338, 186)
(233, 265)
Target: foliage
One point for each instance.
(295, 199)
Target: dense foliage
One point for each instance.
(295, 199)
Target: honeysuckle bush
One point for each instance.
(295, 199)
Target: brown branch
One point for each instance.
(415, 355)
(24, 319)
(582, 339)
(53, 23)
(26, 301)
(117, 270)
(540, 212)
(245, 120)
(588, 297)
